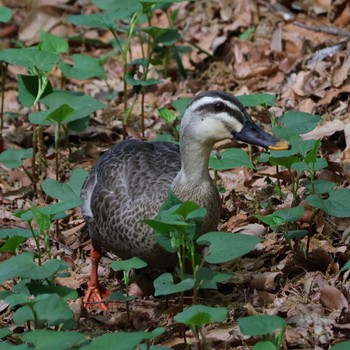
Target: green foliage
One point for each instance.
(296, 123)
(341, 346)
(164, 285)
(67, 191)
(44, 339)
(337, 204)
(200, 315)
(5, 14)
(282, 216)
(263, 325)
(197, 316)
(254, 100)
(83, 106)
(13, 158)
(230, 158)
(224, 247)
(30, 58)
(128, 265)
(125, 340)
(84, 67)
(52, 43)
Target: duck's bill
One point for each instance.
(252, 134)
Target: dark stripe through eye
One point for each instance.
(220, 106)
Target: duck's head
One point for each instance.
(214, 116)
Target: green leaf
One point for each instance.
(131, 6)
(30, 57)
(338, 203)
(83, 105)
(130, 79)
(227, 246)
(28, 89)
(167, 115)
(187, 208)
(299, 167)
(208, 279)
(11, 244)
(5, 14)
(12, 232)
(265, 345)
(84, 67)
(164, 285)
(127, 265)
(300, 122)
(18, 299)
(16, 266)
(346, 266)
(297, 234)
(280, 217)
(52, 210)
(104, 20)
(200, 315)
(181, 104)
(284, 161)
(5, 331)
(321, 186)
(48, 269)
(246, 35)
(254, 100)
(67, 191)
(52, 310)
(60, 114)
(52, 43)
(230, 158)
(13, 158)
(121, 297)
(44, 339)
(261, 324)
(66, 293)
(42, 219)
(125, 341)
(345, 345)
(23, 315)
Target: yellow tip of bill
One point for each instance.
(280, 146)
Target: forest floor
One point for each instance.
(299, 52)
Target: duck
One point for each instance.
(131, 181)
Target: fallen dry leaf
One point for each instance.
(333, 298)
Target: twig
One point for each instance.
(324, 29)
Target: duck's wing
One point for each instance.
(128, 184)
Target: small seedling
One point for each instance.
(197, 316)
(126, 266)
(271, 327)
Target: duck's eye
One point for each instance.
(219, 106)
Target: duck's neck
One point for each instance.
(194, 163)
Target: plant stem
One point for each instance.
(3, 80)
(37, 243)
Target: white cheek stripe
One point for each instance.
(228, 120)
(209, 100)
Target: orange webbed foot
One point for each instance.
(95, 298)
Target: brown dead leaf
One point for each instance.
(341, 74)
(333, 298)
(39, 19)
(327, 129)
(344, 19)
(268, 281)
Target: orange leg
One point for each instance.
(95, 291)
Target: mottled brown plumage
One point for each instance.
(130, 181)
